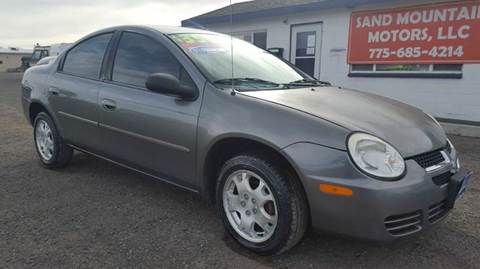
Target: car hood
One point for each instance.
(406, 128)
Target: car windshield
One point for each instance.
(253, 67)
(37, 55)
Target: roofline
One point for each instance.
(16, 52)
(198, 21)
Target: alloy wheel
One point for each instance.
(250, 206)
(44, 140)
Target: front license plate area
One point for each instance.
(457, 186)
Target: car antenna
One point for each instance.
(231, 46)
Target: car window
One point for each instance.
(85, 59)
(138, 56)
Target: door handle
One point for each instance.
(109, 104)
(54, 91)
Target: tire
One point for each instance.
(286, 223)
(53, 152)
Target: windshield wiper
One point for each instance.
(307, 82)
(247, 80)
(234, 81)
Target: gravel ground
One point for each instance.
(94, 214)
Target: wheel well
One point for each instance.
(229, 147)
(34, 109)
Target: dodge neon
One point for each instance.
(275, 149)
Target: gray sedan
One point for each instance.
(276, 150)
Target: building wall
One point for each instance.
(445, 98)
(9, 60)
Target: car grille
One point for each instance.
(437, 211)
(442, 178)
(404, 224)
(429, 159)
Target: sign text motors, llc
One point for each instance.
(437, 33)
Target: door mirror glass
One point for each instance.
(168, 84)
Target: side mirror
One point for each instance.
(167, 84)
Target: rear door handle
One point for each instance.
(54, 91)
(109, 105)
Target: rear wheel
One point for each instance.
(51, 148)
(261, 207)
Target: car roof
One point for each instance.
(177, 29)
(164, 29)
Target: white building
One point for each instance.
(390, 52)
(11, 58)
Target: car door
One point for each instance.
(73, 91)
(148, 131)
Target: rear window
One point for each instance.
(85, 59)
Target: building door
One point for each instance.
(305, 48)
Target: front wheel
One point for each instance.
(263, 208)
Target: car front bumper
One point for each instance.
(376, 210)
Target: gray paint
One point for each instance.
(170, 139)
(374, 200)
(388, 119)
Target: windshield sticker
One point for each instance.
(207, 50)
(198, 44)
(189, 38)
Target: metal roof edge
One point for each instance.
(198, 21)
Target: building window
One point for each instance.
(407, 70)
(258, 38)
(1, 62)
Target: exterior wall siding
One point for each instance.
(9, 60)
(457, 99)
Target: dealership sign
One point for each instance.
(437, 33)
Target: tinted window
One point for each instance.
(447, 67)
(362, 67)
(139, 56)
(86, 58)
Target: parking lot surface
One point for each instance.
(94, 214)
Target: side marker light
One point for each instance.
(335, 190)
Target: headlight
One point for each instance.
(453, 150)
(433, 118)
(375, 156)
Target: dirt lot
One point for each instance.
(94, 214)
